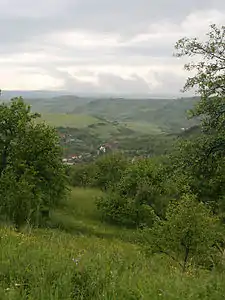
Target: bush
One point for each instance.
(124, 211)
(189, 234)
(139, 196)
(144, 182)
(83, 175)
(32, 175)
(110, 168)
(104, 173)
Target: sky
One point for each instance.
(99, 46)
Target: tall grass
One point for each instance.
(78, 260)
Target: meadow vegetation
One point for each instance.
(117, 228)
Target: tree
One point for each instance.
(139, 197)
(144, 182)
(110, 168)
(189, 234)
(209, 82)
(32, 175)
(202, 159)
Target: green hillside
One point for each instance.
(60, 104)
(121, 109)
(148, 125)
(68, 120)
(134, 124)
(82, 258)
(141, 115)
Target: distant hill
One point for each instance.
(39, 94)
(69, 120)
(59, 104)
(166, 114)
(153, 115)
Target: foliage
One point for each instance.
(123, 211)
(110, 168)
(51, 264)
(144, 182)
(32, 176)
(83, 174)
(103, 173)
(202, 159)
(138, 197)
(189, 234)
(209, 78)
(204, 177)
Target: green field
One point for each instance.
(83, 258)
(68, 120)
(68, 110)
(144, 127)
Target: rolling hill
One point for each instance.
(142, 115)
(136, 124)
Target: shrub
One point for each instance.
(110, 168)
(32, 176)
(143, 181)
(189, 234)
(83, 175)
(124, 211)
(139, 196)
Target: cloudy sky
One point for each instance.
(113, 46)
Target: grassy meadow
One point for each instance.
(68, 120)
(144, 127)
(79, 257)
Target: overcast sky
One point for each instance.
(122, 46)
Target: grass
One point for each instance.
(68, 120)
(83, 258)
(81, 121)
(144, 127)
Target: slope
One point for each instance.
(83, 258)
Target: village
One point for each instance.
(78, 158)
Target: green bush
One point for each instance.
(190, 234)
(144, 182)
(83, 175)
(139, 197)
(124, 211)
(104, 173)
(32, 175)
(110, 168)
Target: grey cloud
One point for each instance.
(113, 83)
(125, 17)
(169, 81)
(107, 83)
(151, 51)
(25, 26)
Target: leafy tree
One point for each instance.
(139, 197)
(83, 174)
(209, 82)
(189, 234)
(32, 176)
(202, 159)
(123, 211)
(110, 168)
(144, 181)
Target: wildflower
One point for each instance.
(17, 284)
(75, 260)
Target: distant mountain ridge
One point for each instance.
(162, 114)
(7, 94)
